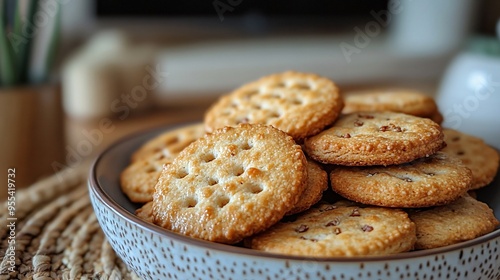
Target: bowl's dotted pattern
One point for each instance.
(154, 256)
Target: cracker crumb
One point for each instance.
(355, 213)
(390, 127)
(358, 123)
(334, 222)
(302, 228)
(367, 228)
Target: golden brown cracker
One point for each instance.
(331, 230)
(462, 220)
(301, 104)
(375, 138)
(480, 158)
(435, 180)
(231, 184)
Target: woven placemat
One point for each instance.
(56, 233)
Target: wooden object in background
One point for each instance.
(31, 133)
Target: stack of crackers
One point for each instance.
(256, 172)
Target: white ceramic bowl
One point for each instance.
(155, 253)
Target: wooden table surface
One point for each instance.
(78, 131)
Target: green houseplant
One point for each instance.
(29, 35)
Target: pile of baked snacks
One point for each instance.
(254, 174)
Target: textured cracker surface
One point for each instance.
(430, 181)
(375, 138)
(138, 180)
(146, 212)
(231, 184)
(480, 158)
(461, 220)
(330, 230)
(301, 104)
(170, 143)
(317, 183)
(395, 100)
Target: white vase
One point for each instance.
(469, 96)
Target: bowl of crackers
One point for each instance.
(287, 178)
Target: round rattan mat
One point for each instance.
(56, 234)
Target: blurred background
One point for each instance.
(78, 75)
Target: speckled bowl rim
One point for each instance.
(99, 192)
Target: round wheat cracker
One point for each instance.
(463, 219)
(331, 230)
(301, 104)
(478, 156)
(405, 101)
(231, 184)
(317, 183)
(170, 143)
(375, 138)
(429, 181)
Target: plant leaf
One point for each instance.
(24, 53)
(54, 43)
(7, 64)
(44, 47)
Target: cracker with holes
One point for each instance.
(406, 101)
(170, 143)
(300, 104)
(138, 180)
(331, 230)
(430, 181)
(461, 220)
(375, 138)
(317, 183)
(480, 158)
(231, 184)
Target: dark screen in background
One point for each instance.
(266, 8)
